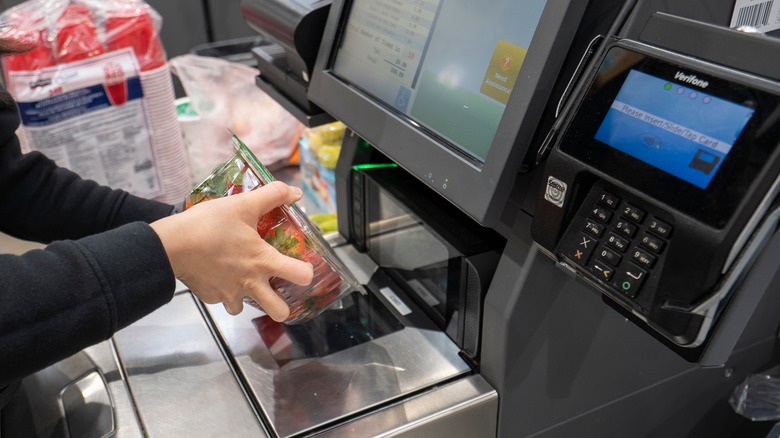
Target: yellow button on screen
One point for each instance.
(502, 71)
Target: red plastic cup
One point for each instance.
(77, 36)
(135, 29)
(115, 83)
(26, 31)
(34, 59)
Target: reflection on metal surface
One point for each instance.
(311, 393)
(408, 249)
(359, 263)
(359, 319)
(398, 221)
(36, 409)
(466, 407)
(87, 406)
(179, 378)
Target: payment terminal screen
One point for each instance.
(677, 128)
(448, 65)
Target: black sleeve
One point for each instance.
(73, 294)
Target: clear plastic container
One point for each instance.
(288, 230)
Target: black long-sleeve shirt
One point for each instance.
(103, 269)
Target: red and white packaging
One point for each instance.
(96, 94)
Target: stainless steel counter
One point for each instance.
(180, 381)
(312, 393)
(189, 369)
(84, 395)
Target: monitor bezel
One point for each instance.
(480, 189)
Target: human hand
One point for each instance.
(215, 250)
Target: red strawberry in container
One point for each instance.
(307, 301)
(327, 280)
(289, 231)
(234, 189)
(278, 229)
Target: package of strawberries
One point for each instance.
(289, 230)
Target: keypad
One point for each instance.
(619, 242)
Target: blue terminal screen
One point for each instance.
(673, 127)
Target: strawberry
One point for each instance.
(287, 239)
(270, 220)
(196, 198)
(327, 299)
(300, 308)
(327, 282)
(234, 189)
(313, 257)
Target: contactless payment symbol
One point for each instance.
(555, 191)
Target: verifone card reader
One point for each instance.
(653, 193)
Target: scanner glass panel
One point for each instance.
(356, 320)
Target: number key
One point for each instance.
(661, 228)
(617, 242)
(594, 228)
(652, 243)
(634, 213)
(602, 214)
(609, 200)
(610, 256)
(643, 258)
(625, 227)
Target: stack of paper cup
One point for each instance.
(166, 134)
(190, 122)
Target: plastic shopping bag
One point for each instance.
(225, 97)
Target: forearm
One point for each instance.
(74, 294)
(42, 202)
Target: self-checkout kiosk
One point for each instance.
(563, 214)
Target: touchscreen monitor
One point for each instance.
(674, 127)
(456, 92)
(448, 65)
